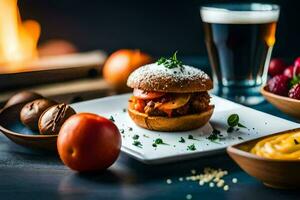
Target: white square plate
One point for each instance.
(258, 124)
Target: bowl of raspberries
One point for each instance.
(283, 87)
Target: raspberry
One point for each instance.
(289, 71)
(297, 62)
(276, 66)
(279, 85)
(295, 92)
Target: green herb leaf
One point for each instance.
(216, 131)
(121, 130)
(111, 118)
(171, 62)
(240, 138)
(295, 80)
(190, 137)
(154, 145)
(124, 110)
(230, 129)
(213, 137)
(137, 143)
(182, 140)
(135, 137)
(241, 125)
(191, 147)
(158, 141)
(162, 60)
(233, 120)
(216, 134)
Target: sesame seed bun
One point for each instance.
(182, 123)
(154, 77)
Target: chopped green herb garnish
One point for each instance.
(135, 137)
(171, 62)
(191, 147)
(182, 140)
(137, 143)
(158, 141)
(233, 120)
(111, 118)
(296, 141)
(230, 129)
(124, 110)
(154, 145)
(190, 137)
(240, 138)
(146, 136)
(213, 137)
(121, 130)
(241, 125)
(130, 128)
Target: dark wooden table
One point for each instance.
(26, 174)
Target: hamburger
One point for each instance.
(169, 96)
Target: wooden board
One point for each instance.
(68, 91)
(52, 69)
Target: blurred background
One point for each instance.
(73, 72)
(155, 26)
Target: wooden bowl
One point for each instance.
(282, 174)
(11, 126)
(287, 105)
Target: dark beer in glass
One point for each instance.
(239, 40)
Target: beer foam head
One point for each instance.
(240, 13)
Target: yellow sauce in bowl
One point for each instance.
(282, 147)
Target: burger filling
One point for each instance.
(169, 104)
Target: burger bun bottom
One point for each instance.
(171, 124)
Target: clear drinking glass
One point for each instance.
(239, 40)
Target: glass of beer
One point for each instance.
(239, 40)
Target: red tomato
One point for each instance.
(141, 94)
(139, 105)
(88, 142)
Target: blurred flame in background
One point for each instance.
(18, 40)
